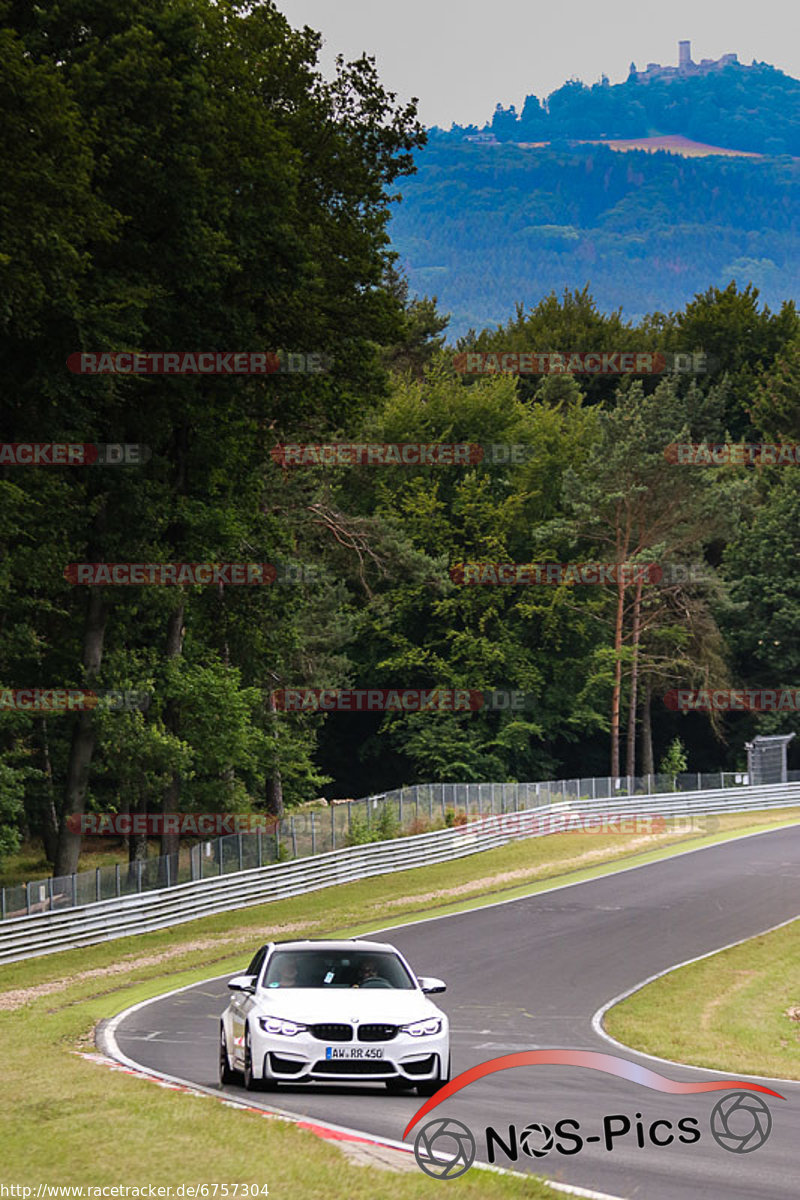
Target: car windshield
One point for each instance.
(336, 969)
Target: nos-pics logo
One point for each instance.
(445, 1148)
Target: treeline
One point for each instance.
(755, 108)
(647, 231)
(191, 183)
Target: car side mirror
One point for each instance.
(242, 983)
(430, 985)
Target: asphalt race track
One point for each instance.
(530, 974)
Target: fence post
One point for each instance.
(699, 782)
(97, 883)
(28, 898)
(443, 807)
(219, 854)
(294, 836)
(239, 848)
(138, 875)
(430, 803)
(416, 801)
(722, 779)
(333, 828)
(116, 878)
(2, 904)
(313, 835)
(167, 871)
(259, 847)
(50, 890)
(74, 889)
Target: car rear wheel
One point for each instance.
(432, 1085)
(226, 1074)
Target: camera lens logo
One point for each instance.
(740, 1122)
(444, 1149)
(533, 1134)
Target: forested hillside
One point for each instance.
(222, 197)
(755, 108)
(482, 223)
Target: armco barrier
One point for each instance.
(47, 932)
(311, 830)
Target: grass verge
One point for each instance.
(737, 1011)
(66, 1120)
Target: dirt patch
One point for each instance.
(19, 996)
(384, 1158)
(521, 874)
(741, 978)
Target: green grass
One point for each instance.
(65, 1119)
(727, 1012)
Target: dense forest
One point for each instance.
(191, 183)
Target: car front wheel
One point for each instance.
(250, 1082)
(399, 1085)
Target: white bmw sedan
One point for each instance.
(349, 1011)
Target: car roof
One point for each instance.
(345, 944)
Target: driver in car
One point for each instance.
(367, 970)
(286, 974)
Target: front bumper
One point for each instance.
(304, 1058)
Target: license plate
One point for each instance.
(353, 1052)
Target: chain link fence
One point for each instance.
(419, 808)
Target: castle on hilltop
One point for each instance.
(685, 67)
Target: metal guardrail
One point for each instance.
(45, 933)
(313, 831)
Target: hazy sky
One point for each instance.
(460, 57)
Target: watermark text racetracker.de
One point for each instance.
(724, 454)
(63, 699)
(73, 454)
(430, 699)
(200, 362)
(774, 699)
(578, 362)
(568, 820)
(509, 574)
(400, 454)
(177, 574)
(189, 1191)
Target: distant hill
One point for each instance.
(487, 223)
(754, 108)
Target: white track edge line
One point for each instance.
(109, 1030)
(108, 1035)
(597, 1019)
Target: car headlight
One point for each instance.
(423, 1028)
(278, 1025)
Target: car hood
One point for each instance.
(313, 1005)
